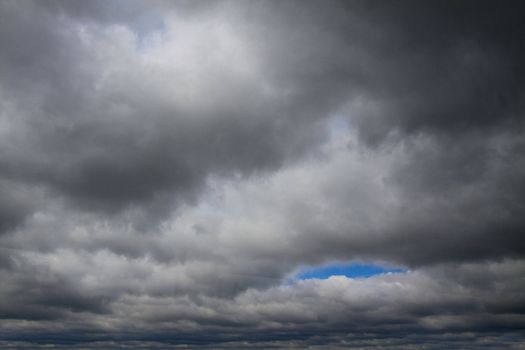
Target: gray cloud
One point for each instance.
(448, 300)
(166, 168)
(107, 141)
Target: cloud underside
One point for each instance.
(167, 168)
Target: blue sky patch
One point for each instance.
(349, 270)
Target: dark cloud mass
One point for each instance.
(167, 168)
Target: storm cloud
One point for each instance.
(168, 168)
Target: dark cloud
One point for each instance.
(11, 215)
(446, 67)
(15, 205)
(166, 168)
(41, 295)
(106, 143)
(447, 301)
(433, 67)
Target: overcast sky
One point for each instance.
(169, 169)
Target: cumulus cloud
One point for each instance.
(168, 167)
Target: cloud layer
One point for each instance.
(166, 168)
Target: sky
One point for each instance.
(262, 174)
(355, 270)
